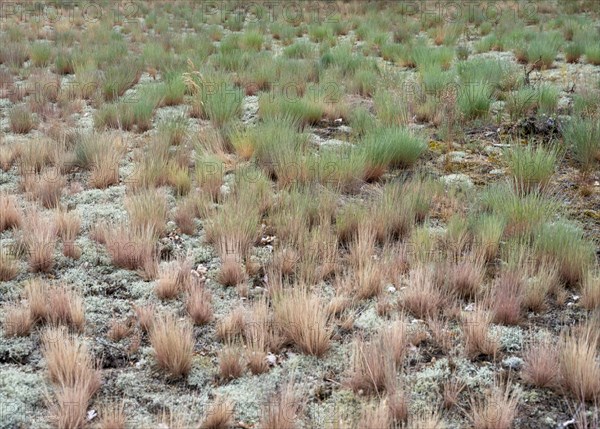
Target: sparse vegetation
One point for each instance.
(341, 215)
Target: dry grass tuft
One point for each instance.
(173, 344)
(148, 210)
(39, 236)
(578, 362)
(497, 410)
(590, 291)
(8, 266)
(68, 225)
(112, 416)
(507, 298)
(303, 320)
(145, 317)
(232, 272)
(174, 278)
(199, 305)
(452, 390)
(73, 372)
(541, 364)
(373, 369)
(475, 327)
(55, 304)
(10, 214)
(219, 415)
(422, 298)
(45, 187)
(466, 277)
(17, 320)
(282, 409)
(230, 364)
(131, 247)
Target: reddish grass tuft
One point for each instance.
(219, 415)
(55, 304)
(10, 215)
(39, 235)
(422, 298)
(131, 247)
(8, 266)
(476, 326)
(541, 364)
(497, 410)
(507, 298)
(282, 409)
(173, 344)
(230, 364)
(578, 363)
(199, 305)
(73, 372)
(303, 320)
(17, 320)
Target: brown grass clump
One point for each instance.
(452, 390)
(145, 317)
(46, 187)
(375, 416)
(8, 266)
(39, 236)
(282, 409)
(590, 291)
(232, 326)
(497, 410)
(219, 415)
(232, 272)
(174, 278)
(55, 304)
(426, 420)
(507, 298)
(17, 320)
(173, 344)
(73, 372)
(539, 286)
(68, 225)
(303, 320)
(422, 298)
(578, 363)
(184, 216)
(112, 416)
(131, 247)
(148, 209)
(476, 326)
(465, 278)
(541, 364)
(10, 215)
(373, 369)
(118, 330)
(230, 365)
(199, 305)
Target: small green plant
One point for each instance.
(582, 135)
(521, 102)
(40, 54)
(530, 167)
(474, 99)
(547, 99)
(592, 53)
(565, 243)
(390, 147)
(573, 51)
(542, 50)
